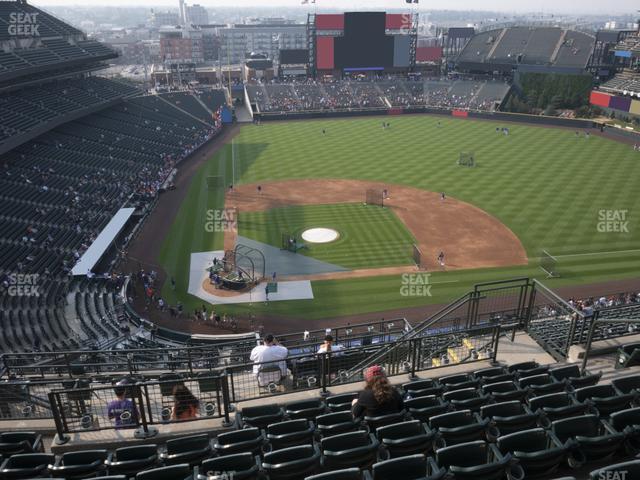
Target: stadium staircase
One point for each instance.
(204, 105)
(185, 110)
(556, 51)
(496, 43)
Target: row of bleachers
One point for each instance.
(30, 107)
(48, 25)
(188, 102)
(529, 46)
(84, 171)
(520, 421)
(212, 98)
(554, 331)
(53, 52)
(338, 95)
(623, 82)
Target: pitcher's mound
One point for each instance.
(320, 235)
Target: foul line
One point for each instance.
(595, 253)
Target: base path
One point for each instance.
(468, 236)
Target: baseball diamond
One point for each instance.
(535, 186)
(358, 245)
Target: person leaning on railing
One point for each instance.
(378, 397)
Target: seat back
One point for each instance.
(594, 391)
(627, 384)
(17, 442)
(136, 452)
(344, 474)
(334, 423)
(341, 402)
(230, 464)
(289, 433)
(504, 409)
(308, 409)
(187, 444)
(269, 374)
(375, 422)
(625, 418)
(452, 419)
(409, 467)
(345, 441)
(551, 400)
(400, 430)
(173, 472)
(461, 394)
(586, 426)
(533, 440)
(462, 455)
(536, 380)
(292, 462)
(523, 366)
(566, 371)
(83, 457)
(30, 460)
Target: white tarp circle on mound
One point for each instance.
(320, 235)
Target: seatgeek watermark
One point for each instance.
(617, 475)
(613, 221)
(22, 24)
(415, 285)
(221, 220)
(20, 285)
(221, 475)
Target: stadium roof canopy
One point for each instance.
(102, 243)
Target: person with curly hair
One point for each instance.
(379, 397)
(186, 405)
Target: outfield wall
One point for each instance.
(496, 116)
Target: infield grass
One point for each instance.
(547, 185)
(370, 236)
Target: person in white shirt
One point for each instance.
(329, 347)
(269, 352)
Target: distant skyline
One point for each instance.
(505, 6)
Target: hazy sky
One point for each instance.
(566, 6)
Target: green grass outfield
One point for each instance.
(547, 185)
(370, 236)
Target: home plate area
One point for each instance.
(200, 285)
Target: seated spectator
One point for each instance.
(379, 397)
(329, 347)
(185, 405)
(122, 410)
(268, 355)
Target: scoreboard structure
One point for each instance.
(358, 42)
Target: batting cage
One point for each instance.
(549, 264)
(467, 159)
(374, 197)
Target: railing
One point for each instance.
(25, 399)
(140, 407)
(495, 303)
(321, 370)
(553, 322)
(77, 363)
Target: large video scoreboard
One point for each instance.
(361, 41)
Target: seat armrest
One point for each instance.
(38, 446)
